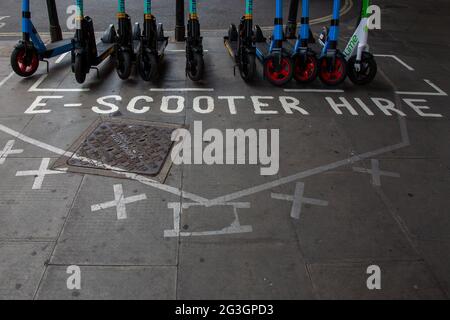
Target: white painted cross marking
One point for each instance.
(39, 174)
(119, 202)
(298, 200)
(376, 172)
(7, 150)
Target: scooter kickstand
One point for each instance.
(98, 71)
(48, 65)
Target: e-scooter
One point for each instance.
(332, 63)
(362, 67)
(306, 64)
(240, 44)
(88, 54)
(277, 64)
(195, 64)
(152, 45)
(31, 49)
(126, 44)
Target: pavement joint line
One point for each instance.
(35, 87)
(6, 79)
(403, 63)
(376, 172)
(439, 91)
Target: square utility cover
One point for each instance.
(110, 146)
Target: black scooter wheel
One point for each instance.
(147, 65)
(368, 69)
(196, 67)
(80, 74)
(306, 68)
(332, 71)
(24, 61)
(123, 64)
(278, 70)
(248, 67)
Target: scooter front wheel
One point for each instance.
(196, 67)
(79, 69)
(24, 61)
(332, 71)
(123, 64)
(278, 70)
(248, 67)
(147, 64)
(367, 69)
(306, 68)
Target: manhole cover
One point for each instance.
(132, 146)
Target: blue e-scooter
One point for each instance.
(31, 49)
(332, 63)
(277, 63)
(305, 60)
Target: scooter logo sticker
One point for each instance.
(374, 20)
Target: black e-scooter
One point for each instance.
(241, 45)
(86, 53)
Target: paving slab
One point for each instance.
(110, 283)
(399, 280)
(100, 238)
(230, 269)
(22, 265)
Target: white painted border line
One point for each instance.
(403, 63)
(6, 79)
(61, 57)
(34, 87)
(181, 89)
(315, 90)
(439, 91)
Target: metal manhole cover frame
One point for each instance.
(63, 161)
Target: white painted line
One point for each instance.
(403, 63)
(61, 57)
(182, 89)
(376, 172)
(180, 50)
(233, 228)
(38, 174)
(315, 90)
(6, 79)
(7, 150)
(129, 175)
(298, 200)
(119, 202)
(439, 92)
(72, 105)
(34, 87)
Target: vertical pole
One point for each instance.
(180, 29)
(55, 28)
(291, 27)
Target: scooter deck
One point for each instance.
(232, 46)
(57, 48)
(104, 50)
(162, 44)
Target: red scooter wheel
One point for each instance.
(306, 68)
(332, 71)
(278, 70)
(24, 61)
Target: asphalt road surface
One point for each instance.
(362, 182)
